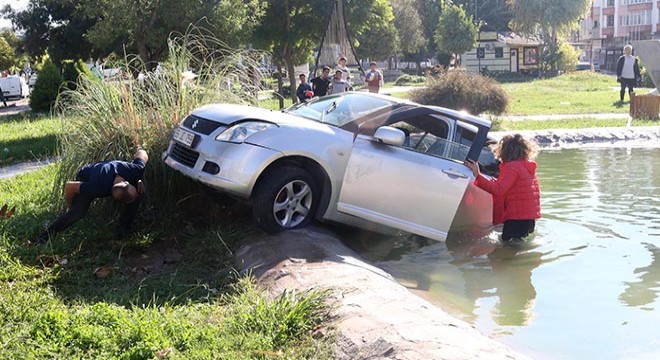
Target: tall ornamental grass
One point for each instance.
(106, 120)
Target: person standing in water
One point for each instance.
(516, 192)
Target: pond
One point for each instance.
(586, 286)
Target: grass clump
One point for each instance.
(107, 120)
(461, 90)
(407, 79)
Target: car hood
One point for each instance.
(228, 114)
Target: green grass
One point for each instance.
(28, 136)
(576, 123)
(577, 93)
(171, 286)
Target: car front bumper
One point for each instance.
(238, 165)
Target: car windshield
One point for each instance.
(339, 110)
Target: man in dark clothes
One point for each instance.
(2, 97)
(320, 83)
(121, 180)
(303, 88)
(627, 71)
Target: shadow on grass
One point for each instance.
(176, 258)
(19, 150)
(620, 104)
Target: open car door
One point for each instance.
(395, 186)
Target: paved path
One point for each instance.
(21, 168)
(19, 106)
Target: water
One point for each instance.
(587, 286)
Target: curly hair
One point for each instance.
(515, 147)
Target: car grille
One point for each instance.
(182, 154)
(200, 125)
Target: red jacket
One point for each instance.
(516, 193)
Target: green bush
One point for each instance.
(72, 70)
(461, 90)
(47, 88)
(646, 78)
(106, 120)
(409, 79)
(567, 57)
(506, 76)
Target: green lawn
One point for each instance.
(170, 288)
(577, 93)
(27, 137)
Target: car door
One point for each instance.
(398, 187)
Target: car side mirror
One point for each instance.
(390, 135)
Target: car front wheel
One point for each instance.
(286, 198)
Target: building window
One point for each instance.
(633, 2)
(499, 52)
(610, 3)
(530, 56)
(610, 20)
(596, 24)
(636, 18)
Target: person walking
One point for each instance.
(516, 192)
(627, 72)
(374, 78)
(321, 83)
(2, 97)
(304, 89)
(120, 180)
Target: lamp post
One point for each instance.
(480, 52)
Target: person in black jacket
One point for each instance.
(627, 71)
(304, 89)
(120, 180)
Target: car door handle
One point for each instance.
(453, 172)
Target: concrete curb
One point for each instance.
(641, 136)
(374, 316)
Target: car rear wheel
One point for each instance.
(286, 198)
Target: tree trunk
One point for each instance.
(288, 59)
(280, 85)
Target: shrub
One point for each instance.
(106, 120)
(461, 90)
(646, 78)
(72, 70)
(567, 57)
(47, 88)
(409, 79)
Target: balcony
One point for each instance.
(607, 32)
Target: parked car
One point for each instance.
(14, 86)
(355, 158)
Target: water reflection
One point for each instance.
(645, 291)
(502, 271)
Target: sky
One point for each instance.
(16, 4)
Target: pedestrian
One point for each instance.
(516, 192)
(321, 83)
(338, 84)
(341, 65)
(304, 89)
(2, 97)
(374, 78)
(120, 180)
(627, 71)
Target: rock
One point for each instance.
(375, 316)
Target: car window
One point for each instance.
(428, 135)
(487, 162)
(339, 110)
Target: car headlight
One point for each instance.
(240, 132)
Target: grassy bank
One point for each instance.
(170, 288)
(28, 136)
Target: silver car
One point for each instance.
(356, 158)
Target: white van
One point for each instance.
(14, 86)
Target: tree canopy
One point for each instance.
(409, 25)
(456, 32)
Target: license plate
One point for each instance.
(183, 136)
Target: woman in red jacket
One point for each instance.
(516, 193)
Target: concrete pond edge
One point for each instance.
(373, 317)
